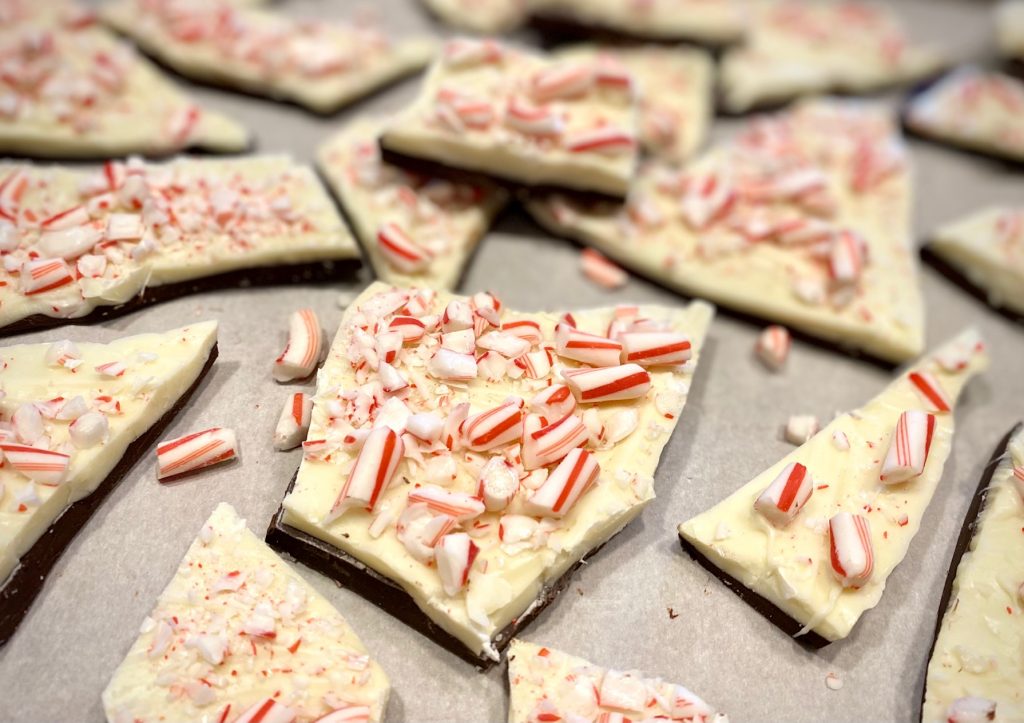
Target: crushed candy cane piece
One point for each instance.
(565, 485)
(773, 346)
(304, 348)
(850, 550)
(801, 427)
(39, 465)
(590, 349)
(626, 381)
(908, 447)
(293, 424)
(783, 499)
(371, 474)
(931, 391)
(454, 555)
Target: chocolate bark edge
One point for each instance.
(774, 614)
(960, 279)
(557, 28)
(390, 597)
(967, 532)
(26, 581)
(314, 273)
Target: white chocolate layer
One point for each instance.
(420, 131)
(447, 219)
(979, 650)
(81, 107)
(234, 626)
(974, 109)
(160, 368)
(318, 64)
(507, 576)
(542, 680)
(790, 566)
(796, 48)
(674, 94)
(787, 282)
(200, 217)
(988, 248)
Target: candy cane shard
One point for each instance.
(908, 447)
(655, 348)
(454, 555)
(497, 485)
(263, 654)
(42, 275)
(495, 427)
(773, 346)
(590, 349)
(608, 384)
(457, 505)
(546, 684)
(792, 573)
(42, 466)
(564, 80)
(850, 550)
(533, 120)
(930, 390)
(304, 349)
(565, 485)
(605, 140)
(555, 401)
(176, 457)
(372, 473)
(603, 272)
(783, 499)
(546, 444)
(293, 423)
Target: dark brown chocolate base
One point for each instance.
(768, 609)
(390, 597)
(312, 273)
(954, 275)
(559, 28)
(24, 584)
(440, 170)
(967, 533)
(89, 160)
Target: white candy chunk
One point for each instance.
(446, 364)
(267, 711)
(498, 484)
(454, 555)
(623, 690)
(89, 430)
(971, 709)
(211, 647)
(800, 428)
(124, 227)
(63, 354)
(425, 426)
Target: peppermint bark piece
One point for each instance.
(549, 685)
(74, 418)
(237, 635)
(463, 459)
(986, 248)
(480, 16)
(710, 22)
(319, 64)
(673, 88)
(795, 49)
(71, 89)
(76, 242)
(803, 219)
(813, 559)
(415, 229)
(527, 118)
(973, 109)
(975, 662)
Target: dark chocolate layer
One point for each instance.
(24, 584)
(557, 28)
(768, 609)
(315, 272)
(390, 597)
(960, 279)
(967, 533)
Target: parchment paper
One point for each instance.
(616, 612)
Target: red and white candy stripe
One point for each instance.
(497, 484)
(41, 275)
(400, 251)
(931, 391)
(706, 199)
(112, 369)
(554, 402)
(348, 714)
(457, 505)
(450, 365)
(606, 140)
(607, 384)
(525, 329)
(195, 451)
(371, 474)
(68, 218)
(293, 424)
(411, 328)
(545, 444)
(565, 485)
(846, 257)
(495, 427)
(463, 110)
(454, 555)
(267, 711)
(598, 351)
(305, 345)
(601, 271)
(850, 550)
(465, 52)
(39, 465)
(773, 346)
(786, 495)
(533, 120)
(652, 348)
(458, 315)
(562, 80)
(908, 449)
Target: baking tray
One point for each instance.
(683, 625)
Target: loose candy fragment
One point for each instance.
(908, 447)
(195, 451)
(627, 381)
(601, 271)
(565, 485)
(850, 549)
(773, 347)
(783, 499)
(598, 351)
(801, 427)
(293, 424)
(374, 467)
(305, 345)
